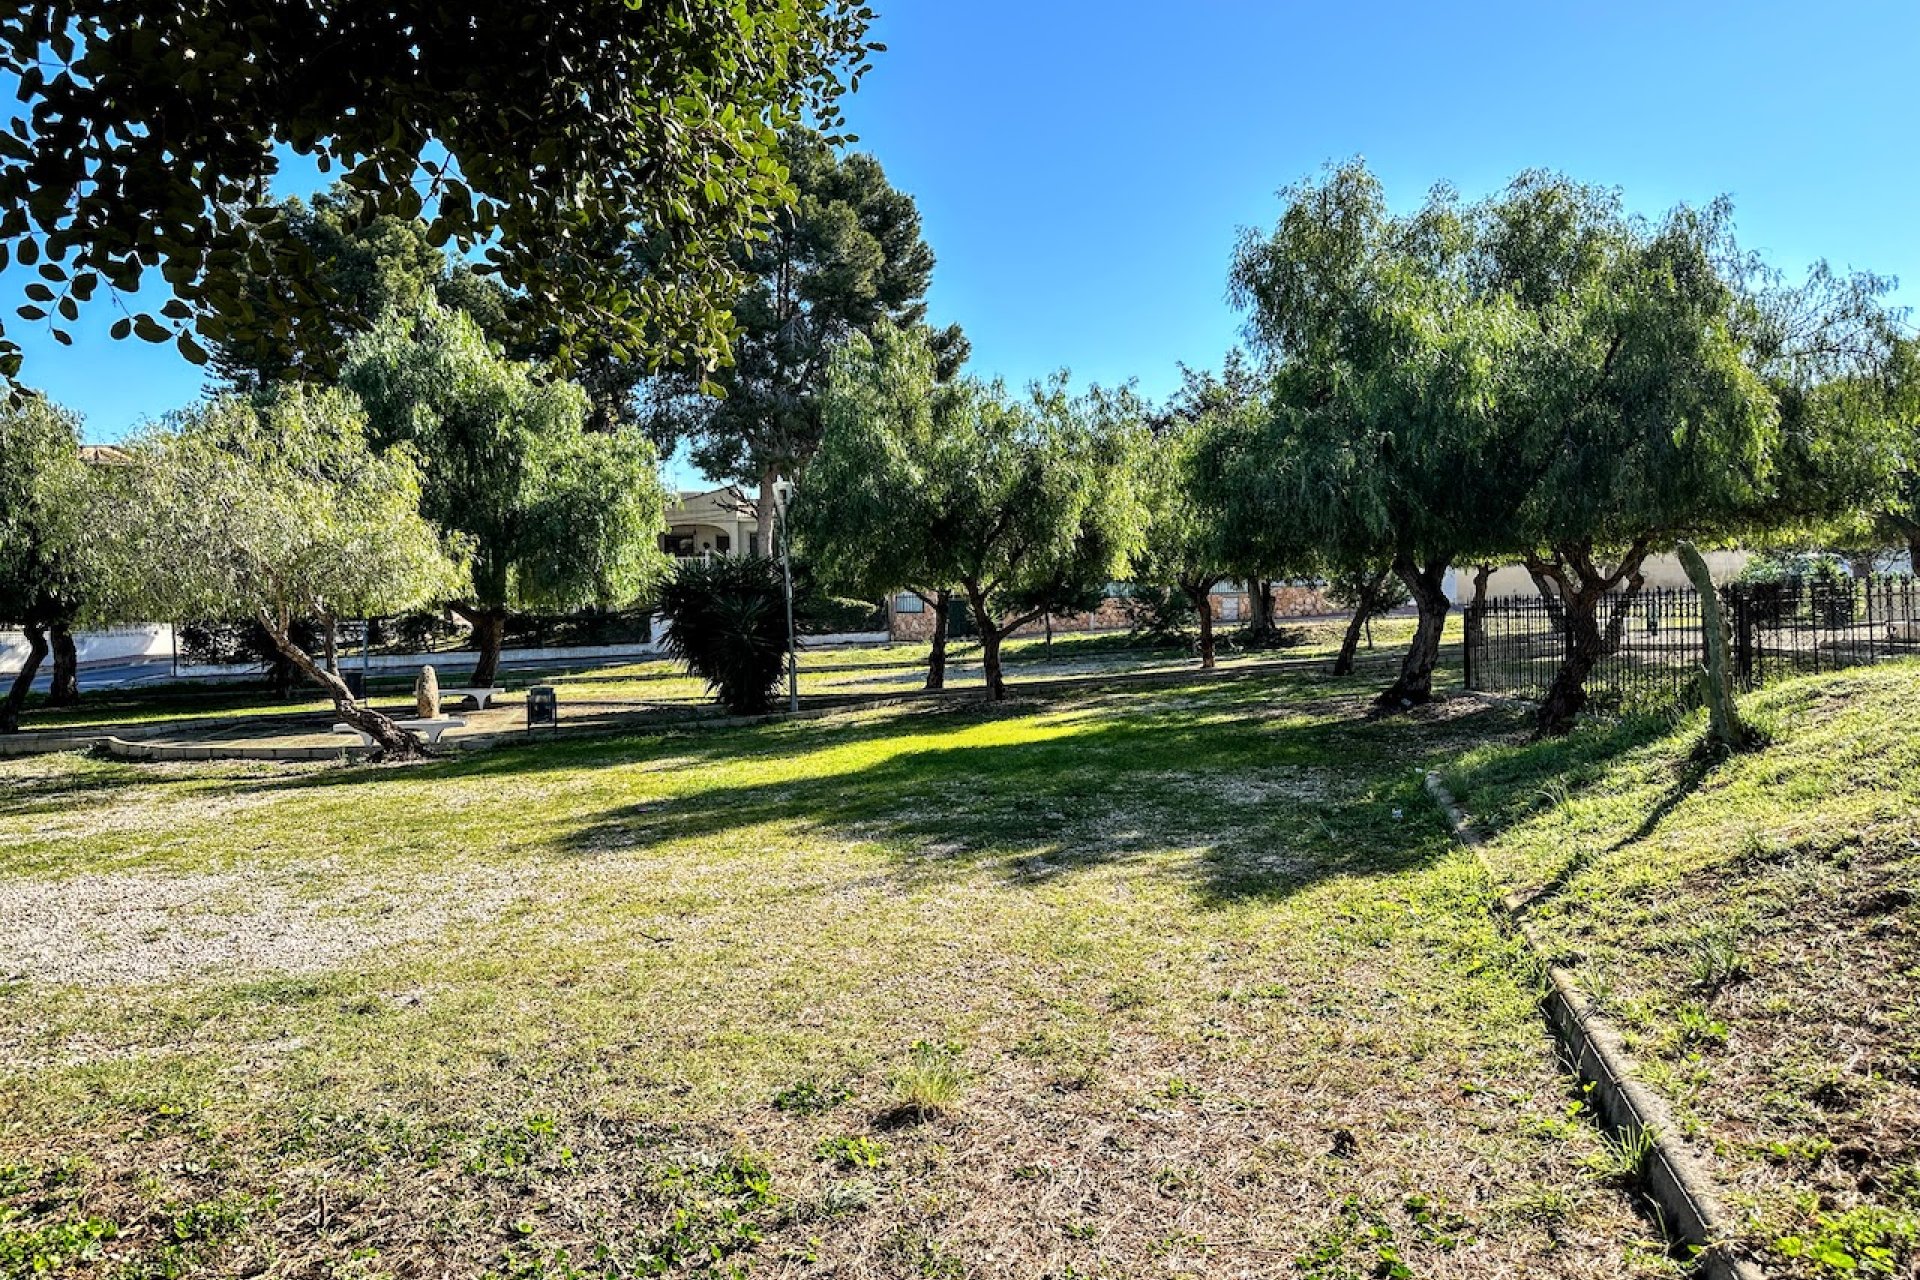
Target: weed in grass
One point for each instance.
(852, 1151)
(1548, 1207)
(843, 1197)
(810, 1097)
(44, 1250)
(1622, 1161)
(919, 1253)
(1699, 1029)
(1863, 1241)
(1359, 1243)
(1717, 958)
(930, 1081)
(718, 1210)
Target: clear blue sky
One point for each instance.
(1082, 167)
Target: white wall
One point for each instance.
(1662, 570)
(115, 644)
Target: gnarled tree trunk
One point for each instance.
(1260, 632)
(1474, 630)
(390, 741)
(489, 625)
(1583, 587)
(23, 680)
(65, 689)
(939, 602)
(992, 632)
(1362, 614)
(1427, 583)
(1200, 595)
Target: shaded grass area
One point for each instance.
(1180, 982)
(1751, 923)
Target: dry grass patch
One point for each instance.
(1181, 984)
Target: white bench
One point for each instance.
(481, 697)
(430, 729)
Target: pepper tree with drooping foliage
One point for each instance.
(557, 516)
(1042, 505)
(523, 132)
(46, 502)
(1028, 506)
(274, 508)
(845, 257)
(1184, 544)
(1666, 387)
(864, 534)
(1382, 441)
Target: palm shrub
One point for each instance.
(727, 623)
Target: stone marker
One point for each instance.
(426, 694)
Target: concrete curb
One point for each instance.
(1676, 1182)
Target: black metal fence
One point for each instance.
(1656, 645)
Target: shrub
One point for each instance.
(727, 622)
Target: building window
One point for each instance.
(908, 602)
(721, 542)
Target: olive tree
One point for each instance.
(557, 516)
(45, 535)
(274, 510)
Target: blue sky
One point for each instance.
(1083, 167)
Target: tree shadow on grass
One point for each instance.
(1547, 771)
(1238, 806)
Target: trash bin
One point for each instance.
(356, 684)
(543, 707)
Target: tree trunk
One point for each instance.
(1260, 601)
(764, 510)
(937, 655)
(1567, 695)
(65, 691)
(991, 634)
(1200, 594)
(1587, 640)
(1549, 597)
(990, 638)
(1724, 715)
(1474, 632)
(23, 681)
(1427, 584)
(390, 741)
(1362, 621)
(489, 625)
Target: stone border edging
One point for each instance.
(1677, 1183)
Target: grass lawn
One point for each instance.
(835, 672)
(1751, 924)
(1180, 981)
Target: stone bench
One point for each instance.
(481, 697)
(429, 729)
